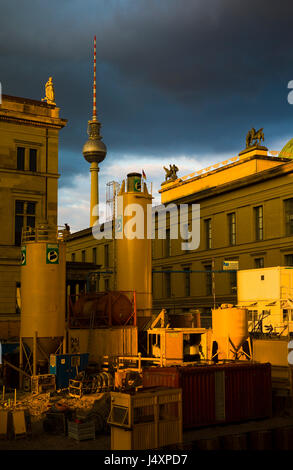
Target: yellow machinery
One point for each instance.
(43, 300)
(177, 345)
(230, 332)
(148, 419)
(276, 351)
(133, 254)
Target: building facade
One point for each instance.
(29, 175)
(245, 210)
(246, 215)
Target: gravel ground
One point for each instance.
(39, 440)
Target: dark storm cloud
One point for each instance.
(174, 76)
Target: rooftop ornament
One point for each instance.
(171, 173)
(50, 92)
(254, 137)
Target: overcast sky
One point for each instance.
(178, 81)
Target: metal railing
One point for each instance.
(44, 233)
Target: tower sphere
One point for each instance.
(94, 150)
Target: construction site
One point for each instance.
(90, 360)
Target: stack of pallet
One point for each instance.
(81, 431)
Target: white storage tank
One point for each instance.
(230, 330)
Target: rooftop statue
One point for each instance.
(254, 138)
(50, 93)
(171, 173)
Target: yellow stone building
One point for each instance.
(246, 212)
(29, 175)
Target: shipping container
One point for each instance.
(213, 394)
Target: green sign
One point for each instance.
(23, 255)
(137, 184)
(52, 254)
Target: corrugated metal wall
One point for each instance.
(217, 394)
(248, 391)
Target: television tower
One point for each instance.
(94, 151)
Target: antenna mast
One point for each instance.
(95, 80)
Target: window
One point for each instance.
(32, 160)
(252, 315)
(187, 281)
(72, 256)
(285, 315)
(233, 282)
(289, 216)
(168, 243)
(259, 263)
(186, 235)
(232, 228)
(289, 260)
(167, 276)
(106, 255)
(22, 155)
(95, 255)
(209, 279)
(20, 158)
(208, 233)
(258, 217)
(83, 256)
(25, 215)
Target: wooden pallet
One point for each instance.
(81, 431)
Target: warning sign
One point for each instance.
(52, 254)
(23, 255)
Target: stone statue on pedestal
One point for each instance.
(50, 93)
(171, 173)
(254, 138)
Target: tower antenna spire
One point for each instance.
(95, 82)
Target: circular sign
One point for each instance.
(53, 256)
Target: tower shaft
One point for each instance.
(94, 215)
